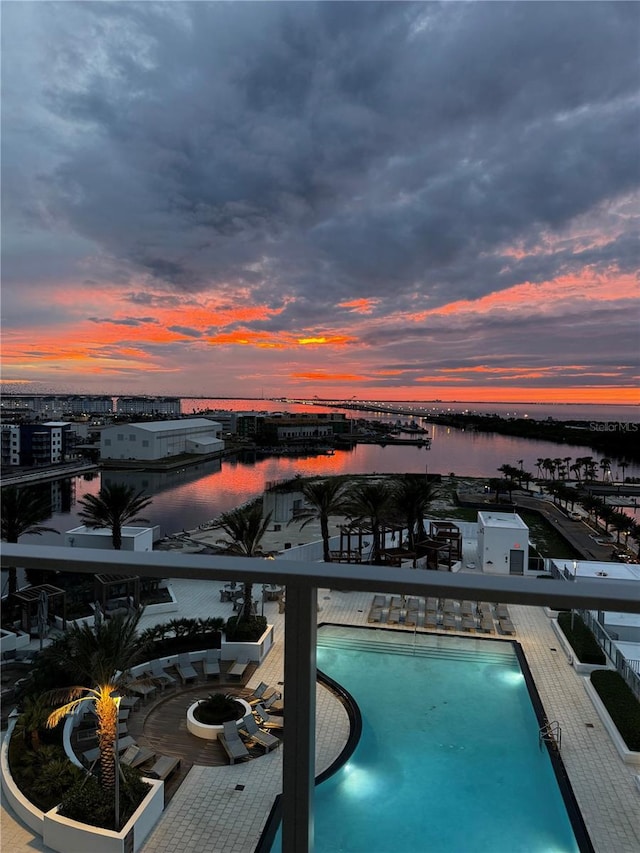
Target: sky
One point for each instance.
(376, 200)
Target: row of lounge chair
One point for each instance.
(252, 730)
(156, 674)
(436, 613)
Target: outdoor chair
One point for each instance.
(238, 667)
(273, 702)
(261, 693)
(266, 720)
(185, 668)
(158, 673)
(163, 768)
(92, 754)
(232, 743)
(502, 611)
(211, 663)
(506, 626)
(135, 755)
(255, 734)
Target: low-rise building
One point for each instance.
(503, 543)
(161, 439)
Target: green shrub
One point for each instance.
(241, 630)
(622, 705)
(581, 639)
(218, 708)
(43, 775)
(88, 802)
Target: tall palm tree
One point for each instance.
(115, 505)
(23, 511)
(323, 499)
(371, 503)
(102, 658)
(412, 495)
(245, 528)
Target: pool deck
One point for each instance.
(208, 813)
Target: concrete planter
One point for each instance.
(580, 668)
(627, 755)
(255, 652)
(210, 732)
(70, 836)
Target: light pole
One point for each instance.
(575, 573)
(116, 702)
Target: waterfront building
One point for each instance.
(161, 439)
(148, 406)
(37, 444)
(503, 543)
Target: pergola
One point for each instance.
(443, 545)
(352, 544)
(108, 587)
(30, 599)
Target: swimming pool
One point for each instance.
(449, 759)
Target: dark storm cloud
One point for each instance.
(379, 142)
(123, 321)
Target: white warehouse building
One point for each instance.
(503, 543)
(161, 439)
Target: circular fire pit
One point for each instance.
(206, 731)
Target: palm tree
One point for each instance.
(324, 498)
(102, 657)
(605, 464)
(115, 505)
(23, 510)
(245, 527)
(412, 496)
(371, 503)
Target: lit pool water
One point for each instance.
(449, 759)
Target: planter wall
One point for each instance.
(11, 641)
(580, 668)
(255, 652)
(24, 809)
(210, 732)
(70, 836)
(627, 755)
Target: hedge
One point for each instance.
(622, 705)
(581, 639)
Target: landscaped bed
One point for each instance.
(581, 639)
(621, 704)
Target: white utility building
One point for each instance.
(161, 439)
(503, 543)
(133, 538)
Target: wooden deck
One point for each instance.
(161, 725)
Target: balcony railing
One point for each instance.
(302, 580)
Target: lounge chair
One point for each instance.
(502, 611)
(468, 623)
(467, 608)
(379, 601)
(92, 754)
(136, 755)
(273, 702)
(254, 733)
(232, 743)
(449, 621)
(142, 687)
(185, 668)
(261, 693)
(432, 605)
(163, 768)
(127, 702)
(506, 626)
(238, 667)
(211, 663)
(266, 720)
(158, 673)
(431, 619)
(486, 625)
